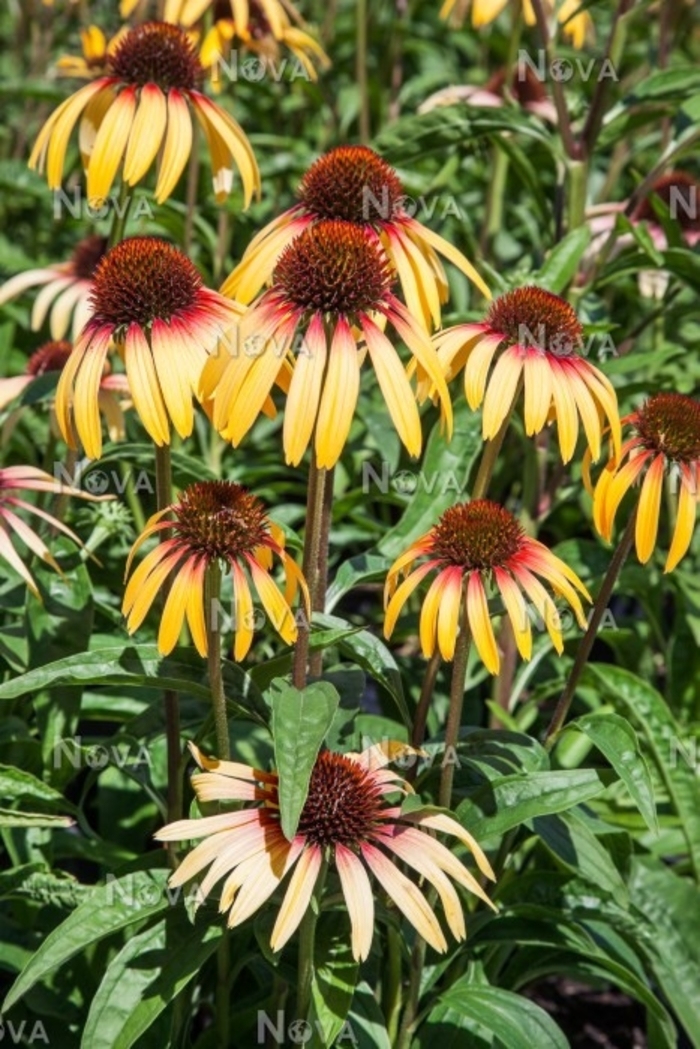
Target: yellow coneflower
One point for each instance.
(14, 481)
(330, 287)
(213, 521)
(577, 24)
(538, 339)
(141, 104)
(260, 26)
(149, 302)
(666, 443)
(96, 52)
(346, 822)
(354, 184)
(473, 545)
(66, 288)
(112, 397)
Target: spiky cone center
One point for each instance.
(220, 520)
(537, 319)
(141, 280)
(477, 536)
(343, 805)
(335, 268)
(669, 423)
(86, 256)
(157, 53)
(51, 357)
(680, 193)
(352, 183)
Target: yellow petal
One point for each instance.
(339, 397)
(110, 144)
(178, 143)
(359, 900)
(146, 133)
(395, 387)
(480, 624)
(648, 510)
(297, 897)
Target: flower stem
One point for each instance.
(361, 69)
(218, 698)
(170, 701)
(223, 966)
(319, 600)
(307, 938)
(584, 649)
(569, 141)
(426, 694)
(411, 1010)
(121, 214)
(391, 983)
(454, 717)
(311, 568)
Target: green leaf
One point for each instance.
(442, 478)
(516, 1021)
(364, 568)
(334, 978)
(144, 977)
(573, 844)
(12, 818)
(671, 905)
(300, 721)
(616, 739)
(366, 1021)
(116, 905)
(562, 263)
(17, 785)
(495, 807)
(647, 708)
(140, 666)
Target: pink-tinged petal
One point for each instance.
(297, 897)
(517, 612)
(230, 768)
(359, 900)
(441, 822)
(407, 896)
(210, 786)
(400, 843)
(440, 855)
(189, 830)
(9, 554)
(256, 879)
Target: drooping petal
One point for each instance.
(685, 519)
(359, 900)
(648, 509)
(297, 897)
(480, 624)
(407, 896)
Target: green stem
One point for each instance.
(361, 69)
(391, 983)
(216, 684)
(121, 214)
(490, 454)
(454, 717)
(170, 700)
(426, 694)
(411, 1011)
(571, 146)
(132, 498)
(577, 171)
(307, 938)
(310, 566)
(584, 649)
(223, 998)
(319, 600)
